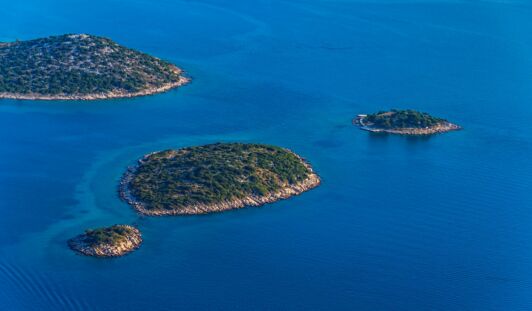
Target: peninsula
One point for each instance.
(81, 67)
(214, 178)
(404, 122)
(112, 241)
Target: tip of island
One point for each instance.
(113, 241)
(81, 67)
(404, 122)
(214, 178)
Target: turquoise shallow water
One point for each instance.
(439, 223)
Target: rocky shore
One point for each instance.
(83, 244)
(109, 95)
(436, 129)
(81, 67)
(288, 191)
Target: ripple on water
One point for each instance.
(23, 288)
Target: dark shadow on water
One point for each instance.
(409, 138)
(328, 143)
(417, 138)
(378, 138)
(385, 141)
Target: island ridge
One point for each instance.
(404, 122)
(214, 178)
(81, 67)
(112, 241)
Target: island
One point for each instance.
(81, 67)
(214, 178)
(111, 241)
(404, 122)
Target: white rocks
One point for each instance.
(109, 95)
(436, 129)
(131, 242)
(310, 182)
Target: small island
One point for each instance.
(404, 122)
(81, 67)
(214, 178)
(112, 241)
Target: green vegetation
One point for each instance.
(110, 235)
(396, 119)
(79, 65)
(214, 173)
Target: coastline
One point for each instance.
(438, 129)
(132, 243)
(125, 194)
(110, 95)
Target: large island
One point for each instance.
(404, 122)
(81, 67)
(111, 241)
(214, 178)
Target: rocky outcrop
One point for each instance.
(285, 192)
(436, 129)
(85, 245)
(81, 67)
(110, 95)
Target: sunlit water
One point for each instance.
(439, 223)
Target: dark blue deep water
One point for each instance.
(439, 223)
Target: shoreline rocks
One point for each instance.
(85, 244)
(413, 131)
(111, 95)
(286, 192)
(82, 67)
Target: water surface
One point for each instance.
(439, 223)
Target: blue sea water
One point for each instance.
(438, 223)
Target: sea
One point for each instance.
(399, 223)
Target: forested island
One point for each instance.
(81, 67)
(111, 241)
(214, 178)
(404, 122)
